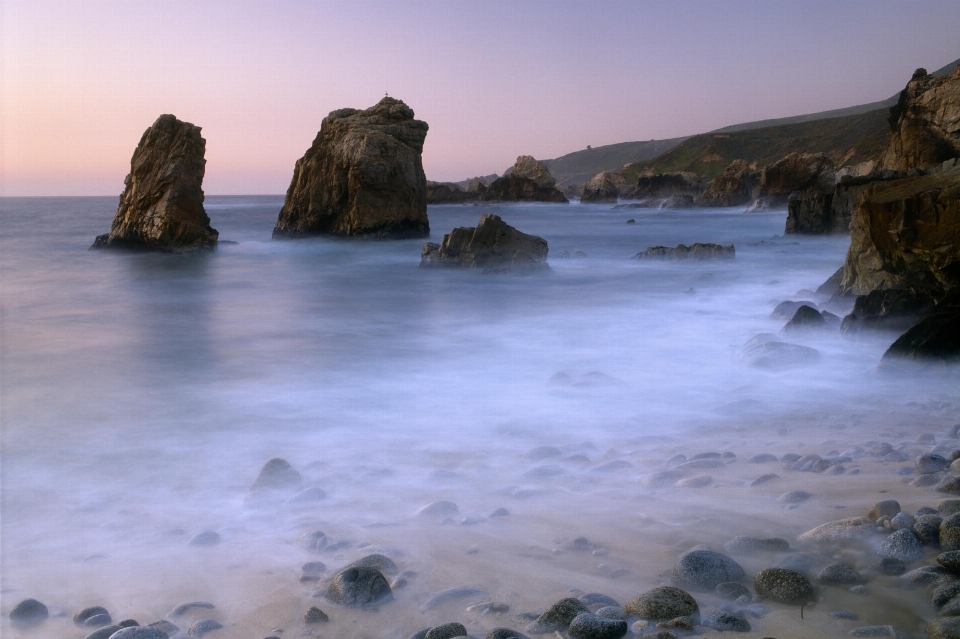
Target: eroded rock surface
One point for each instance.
(363, 176)
(493, 246)
(733, 187)
(925, 123)
(696, 251)
(664, 185)
(600, 188)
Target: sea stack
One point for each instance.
(601, 188)
(492, 246)
(362, 177)
(529, 180)
(161, 208)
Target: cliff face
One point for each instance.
(925, 123)
(797, 172)
(732, 187)
(600, 188)
(363, 176)
(905, 234)
(161, 207)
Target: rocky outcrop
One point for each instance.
(601, 188)
(696, 251)
(935, 338)
(680, 201)
(925, 123)
(797, 173)
(664, 185)
(905, 234)
(363, 176)
(493, 246)
(528, 167)
(891, 310)
(825, 213)
(733, 187)
(527, 181)
(440, 193)
(161, 207)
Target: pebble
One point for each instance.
(29, 611)
(558, 616)
(924, 481)
(204, 626)
(744, 544)
(843, 530)
(901, 520)
(445, 596)
(314, 541)
(839, 574)
(724, 620)
(764, 478)
(663, 603)
(783, 585)
(902, 545)
(662, 478)
(702, 569)
(794, 497)
(358, 586)
(315, 615)
(183, 609)
(843, 614)
(499, 512)
(590, 626)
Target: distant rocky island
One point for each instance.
(528, 180)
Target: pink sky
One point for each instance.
(82, 80)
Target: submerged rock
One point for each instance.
(161, 207)
(362, 176)
(559, 616)
(29, 611)
(767, 351)
(933, 339)
(493, 246)
(695, 251)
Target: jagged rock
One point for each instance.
(733, 187)
(935, 338)
(681, 201)
(161, 207)
(600, 188)
(362, 176)
(796, 173)
(925, 123)
(528, 167)
(493, 246)
(664, 185)
(695, 251)
(890, 309)
(440, 193)
(905, 234)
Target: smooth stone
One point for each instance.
(663, 603)
(944, 593)
(202, 627)
(843, 530)
(308, 495)
(314, 541)
(596, 598)
(843, 614)
(140, 632)
(901, 520)
(381, 562)
(794, 497)
(724, 620)
(949, 484)
(590, 626)
(81, 617)
(699, 481)
(357, 587)
(97, 621)
(104, 633)
(762, 479)
(944, 628)
(950, 560)
(902, 545)
(505, 633)
(446, 631)
(276, 474)
(183, 609)
(839, 574)
(924, 481)
(744, 544)
(612, 612)
(313, 568)
(499, 512)
(701, 464)
(29, 611)
(438, 509)
(925, 575)
(949, 506)
(662, 478)
(950, 532)
(163, 626)
(315, 615)
(703, 569)
(206, 538)
(783, 585)
(931, 463)
(762, 458)
(732, 590)
(452, 594)
(558, 616)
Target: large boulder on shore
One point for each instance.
(905, 234)
(733, 187)
(161, 207)
(493, 246)
(363, 176)
(600, 188)
(664, 185)
(796, 173)
(925, 123)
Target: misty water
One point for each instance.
(142, 393)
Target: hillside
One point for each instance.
(578, 167)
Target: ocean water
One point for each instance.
(141, 393)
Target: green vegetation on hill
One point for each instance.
(578, 167)
(848, 140)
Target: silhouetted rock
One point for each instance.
(695, 251)
(528, 167)
(891, 309)
(363, 176)
(664, 185)
(925, 123)
(493, 246)
(600, 188)
(440, 193)
(797, 173)
(733, 187)
(935, 338)
(161, 208)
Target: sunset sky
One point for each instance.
(80, 81)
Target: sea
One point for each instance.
(141, 393)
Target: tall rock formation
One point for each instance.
(524, 183)
(925, 123)
(161, 207)
(363, 176)
(528, 167)
(733, 187)
(905, 234)
(601, 188)
(493, 246)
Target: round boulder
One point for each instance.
(886, 508)
(950, 532)
(702, 569)
(950, 560)
(559, 616)
(783, 585)
(29, 611)
(932, 463)
(590, 626)
(446, 631)
(902, 545)
(839, 575)
(358, 586)
(662, 604)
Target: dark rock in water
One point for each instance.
(558, 616)
(505, 633)
(762, 479)
(140, 632)
(767, 351)
(950, 560)
(104, 633)
(202, 627)
(744, 544)
(276, 474)
(936, 337)
(887, 508)
(493, 246)
(452, 594)
(663, 603)
(874, 631)
(831, 285)
(949, 484)
(805, 319)
(902, 545)
(183, 609)
(439, 193)
(944, 628)
(97, 621)
(513, 188)
(597, 599)
(924, 123)
(840, 531)
(724, 620)
(308, 496)
(438, 509)
(932, 463)
(381, 562)
(589, 626)
(927, 529)
(314, 541)
(362, 176)
(794, 497)
(29, 611)
(446, 631)
(839, 575)
(206, 538)
(161, 207)
(732, 590)
(762, 458)
(163, 626)
(944, 593)
(893, 310)
(797, 173)
(315, 615)
(357, 587)
(81, 617)
(703, 569)
(783, 585)
(695, 251)
(949, 506)
(612, 612)
(601, 188)
(843, 614)
(925, 575)
(786, 310)
(664, 185)
(733, 187)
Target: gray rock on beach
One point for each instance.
(902, 545)
(591, 626)
(104, 633)
(449, 595)
(944, 628)
(725, 620)
(202, 627)
(702, 569)
(359, 586)
(950, 533)
(445, 631)
(664, 603)
(29, 611)
(743, 544)
(840, 531)
(140, 632)
(558, 616)
(83, 617)
(839, 575)
(276, 474)
(438, 510)
(783, 585)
